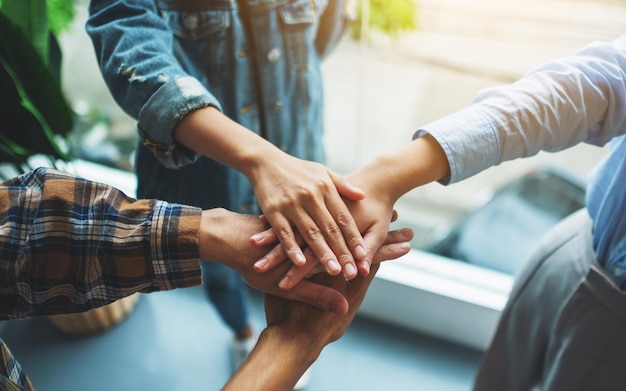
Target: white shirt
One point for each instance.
(579, 98)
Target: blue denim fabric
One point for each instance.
(162, 63)
(225, 289)
(162, 59)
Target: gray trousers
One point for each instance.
(564, 327)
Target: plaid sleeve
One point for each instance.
(12, 377)
(70, 245)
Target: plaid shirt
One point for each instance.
(69, 245)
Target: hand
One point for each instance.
(295, 336)
(308, 196)
(397, 244)
(373, 215)
(293, 193)
(224, 237)
(319, 328)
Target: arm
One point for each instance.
(294, 338)
(385, 180)
(134, 50)
(333, 23)
(564, 102)
(579, 98)
(69, 245)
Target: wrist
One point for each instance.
(211, 234)
(397, 172)
(298, 350)
(275, 364)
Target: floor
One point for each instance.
(174, 341)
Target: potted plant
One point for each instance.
(36, 116)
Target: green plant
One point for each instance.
(35, 114)
(392, 17)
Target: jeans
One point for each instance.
(227, 290)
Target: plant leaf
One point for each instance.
(31, 16)
(33, 106)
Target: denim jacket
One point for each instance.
(258, 61)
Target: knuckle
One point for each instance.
(308, 194)
(345, 258)
(344, 219)
(332, 231)
(313, 233)
(283, 234)
(319, 300)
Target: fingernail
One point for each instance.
(349, 270)
(256, 238)
(284, 282)
(261, 264)
(366, 266)
(300, 259)
(334, 266)
(360, 252)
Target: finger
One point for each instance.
(296, 273)
(397, 244)
(345, 188)
(391, 251)
(357, 289)
(320, 296)
(284, 233)
(348, 234)
(273, 258)
(399, 235)
(316, 239)
(277, 255)
(341, 214)
(374, 238)
(264, 238)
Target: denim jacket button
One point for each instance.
(191, 21)
(273, 55)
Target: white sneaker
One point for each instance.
(304, 381)
(240, 351)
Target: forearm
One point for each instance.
(392, 174)
(210, 133)
(69, 245)
(580, 98)
(134, 50)
(277, 362)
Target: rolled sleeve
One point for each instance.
(468, 139)
(160, 115)
(174, 245)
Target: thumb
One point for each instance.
(320, 296)
(345, 188)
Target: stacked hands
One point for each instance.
(314, 251)
(280, 261)
(329, 269)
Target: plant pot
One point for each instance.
(97, 320)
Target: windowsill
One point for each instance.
(441, 297)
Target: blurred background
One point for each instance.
(413, 62)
